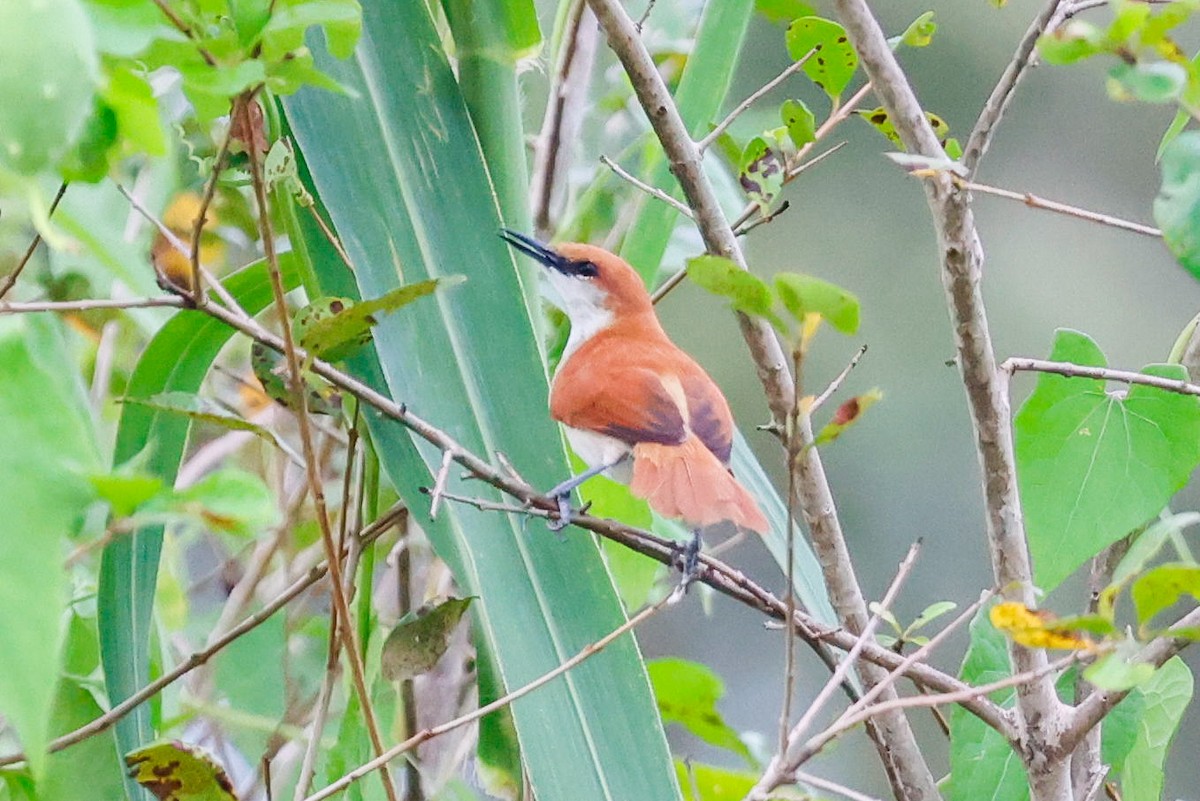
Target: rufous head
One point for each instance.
(591, 281)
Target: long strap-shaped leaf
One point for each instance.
(400, 171)
(177, 359)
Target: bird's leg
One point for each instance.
(691, 559)
(562, 492)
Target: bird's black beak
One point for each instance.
(546, 255)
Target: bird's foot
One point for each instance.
(691, 561)
(565, 512)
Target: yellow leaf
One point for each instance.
(1034, 628)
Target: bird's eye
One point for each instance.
(585, 269)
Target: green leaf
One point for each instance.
(803, 295)
(420, 638)
(347, 326)
(177, 771)
(1120, 669)
(982, 765)
(760, 172)
(90, 770)
(920, 32)
(1147, 545)
(713, 783)
(800, 121)
(1094, 466)
(834, 61)
(206, 410)
(132, 101)
(248, 671)
(1162, 587)
(930, 614)
(88, 160)
(745, 290)
(471, 363)
(1120, 728)
(231, 500)
(1167, 696)
(341, 21)
(48, 75)
(1071, 42)
(687, 694)
(47, 448)
(783, 11)
(879, 120)
(125, 492)
(1156, 82)
(249, 18)
(1177, 207)
(126, 29)
(1178, 124)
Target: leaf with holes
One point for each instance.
(761, 172)
(177, 771)
(800, 121)
(1094, 465)
(833, 60)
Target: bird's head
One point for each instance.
(591, 282)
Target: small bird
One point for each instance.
(635, 406)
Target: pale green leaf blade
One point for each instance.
(1166, 698)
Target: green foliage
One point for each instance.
(687, 694)
(713, 783)
(1177, 207)
(334, 328)
(175, 771)
(833, 60)
(420, 639)
(44, 494)
(919, 33)
(1161, 587)
(760, 172)
(1093, 466)
(800, 122)
(1165, 697)
(908, 634)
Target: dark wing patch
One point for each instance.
(710, 418)
(636, 408)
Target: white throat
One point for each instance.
(583, 303)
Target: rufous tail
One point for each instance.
(688, 482)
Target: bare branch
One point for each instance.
(11, 278)
(91, 304)
(1033, 201)
(380, 762)
(724, 124)
(831, 787)
(210, 190)
(1070, 370)
(836, 383)
(981, 135)
(439, 484)
(653, 191)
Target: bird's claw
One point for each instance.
(565, 512)
(691, 561)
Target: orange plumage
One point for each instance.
(623, 389)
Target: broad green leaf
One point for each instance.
(1157, 82)
(982, 764)
(48, 75)
(176, 359)
(205, 410)
(687, 694)
(341, 21)
(132, 100)
(1162, 587)
(420, 639)
(1120, 728)
(88, 159)
(702, 89)
(471, 364)
(800, 121)
(834, 61)
(177, 771)
(1177, 207)
(760, 172)
(47, 450)
(1167, 696)
(802, 295)
(878, 119)
(126, 491)
(126, 29)
(745, 290)
(348, 325)
(89, 770)
(231, 500)
(1094, 466)
(248, 671)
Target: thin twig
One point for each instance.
(653, 191)
(722, 126)
(92, 304)
(763, 220)
(831, 787)
(420, 737)
(210, 191)
(1069, 370)
(1034, 201)
(439, 484)
(185, 29)
(12, 277)
(836, 383)
(299, 402)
